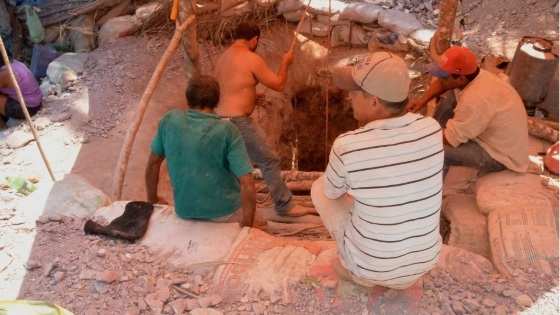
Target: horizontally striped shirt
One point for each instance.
(393, 170)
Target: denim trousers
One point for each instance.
(265, 159)
(469, 154)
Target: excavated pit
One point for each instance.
(308, 137)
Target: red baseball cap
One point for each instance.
(455, 60)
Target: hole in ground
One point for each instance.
(305, 142)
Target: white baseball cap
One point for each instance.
(380, 74)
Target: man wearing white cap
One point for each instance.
(380, 196)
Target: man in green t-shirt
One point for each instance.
(208, 164)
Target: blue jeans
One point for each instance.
(266, 161)
(469, 154)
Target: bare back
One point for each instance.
(237, 82)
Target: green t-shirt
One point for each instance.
(205, 156)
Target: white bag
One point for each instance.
(288, 6)
(361, 12)
(399, 22)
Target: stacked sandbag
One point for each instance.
(365, 13)
(360, 24)
(349, 35)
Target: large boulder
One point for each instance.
(118, 27)
(66, 68)
(399, 22)
(74, 196)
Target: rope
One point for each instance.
(327, 101)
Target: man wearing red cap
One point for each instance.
(485, 122)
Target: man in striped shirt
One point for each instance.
(380, 196)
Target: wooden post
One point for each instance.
(122, 163)
(23, 105)
(440, 40)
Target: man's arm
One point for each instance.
(437, 87)
(152, 177)
(265, 76)
(248, 199)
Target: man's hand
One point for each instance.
(415, 105)
(288, 57)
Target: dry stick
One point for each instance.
(23, 106)
(122, 163)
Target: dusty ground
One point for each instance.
(83, 135)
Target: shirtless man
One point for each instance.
(238, 72)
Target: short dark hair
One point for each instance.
(203, 92)
(394, 107)
(247, 31)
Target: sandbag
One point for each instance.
(509, 190)
(523, 237)
(325, 19)
(347, 34)
(66, 68)
(469, 228)
(293, 16)
(315, 28)
(361, 12)
(288, 6)
(422, 36)
(387, 40)
(399, 22)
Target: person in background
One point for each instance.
(238, 70)
(9, 104)
(380, 196)
(485, 125)
(210, 171)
